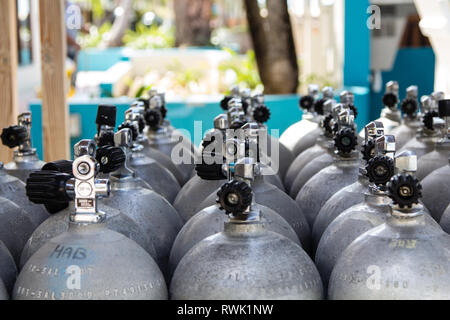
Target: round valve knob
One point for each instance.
(318, 106)
(404, 190)
(210, 171)
(368, 150)
(141, 123)
(306, 102)
(428, 119)
(63, 166)
(106, 115)
(261, 114)
(48, 188)
(14, 136)
(380, 170)
(234, 197)
(224, 102)
(444, 108)
(390, 100)
(409, 106)
(134, 130)
(106, 138)
(355, 111)
(153, 118)
(345, 140)
(327, 124)
(110, 158)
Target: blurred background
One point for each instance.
(195, 50)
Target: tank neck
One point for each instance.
(90, 227)
(28, 155)
(376, 197)
(161, 133)
(241, 229)
(346, 160)
(407, 217)
(393, 115)
(123, 183)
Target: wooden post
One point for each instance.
(55, 115)
(8, 70)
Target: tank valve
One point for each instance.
(345, 140)
(404, 190)
(235, 197)
(380, 170)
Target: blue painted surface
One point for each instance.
(284, 109)
(357, 44)
(100, 59)
(413, 66)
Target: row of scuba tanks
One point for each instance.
(322, 212)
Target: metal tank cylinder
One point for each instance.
(25, 158)
(159, 178)
(328, 181)
(445, 220)
(8, 268)
(322, 145)
(427, 135)
(79, 261)
(303, 134)
(439, 157)
(354, 193)
(398, 259)
(436, 191)
(246, 250)
(411, 121)
(3, 291)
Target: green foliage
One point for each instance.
(97, 9)
(245, 69)
(322, 81)
(185, 76)
(149, 37)
(95, 36)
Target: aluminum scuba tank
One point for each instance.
(209, 221)
(3, 291)
(390, 115)
(436, 192)
(13, 189)
(331, 124)
(89, 261)
(131, 196)
(411, 123)
(439, 157)
(322, 145)
(159, 178)
(8, 268)
(170, 142)
(404, 258)
(25, 158)
(303, 134)
(445, 220)
(354, 193)
(58, 223)
(354, 221)
(245, 251)
(268, 195)
(328, 181)
(427, 135)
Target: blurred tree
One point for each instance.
(192, 22)
(273, 42)
(124, 15)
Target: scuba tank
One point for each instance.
(354, 193)
(258, 112)
(356, 220)
(265, 194)
(439, 157)
(245, 261)
(59, 191)
(162, 137)
(445, 220)
(321, 146)
(328, 181)
(209, 221)
(390, 115)
(159, 178)
(436, 191)
(427, 135)
(8, 268)
(133, 198)
(341, 113)
(89, 261)
(25, 158)
(3, 292)
(407, 257)
(411, 120)
(303, 134)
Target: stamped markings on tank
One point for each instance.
(403, 243)
(66, 252)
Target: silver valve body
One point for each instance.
(347, 97)
(221, 122)
(385, 145)
(87, 189)
(392, 87)
(313, 90)
(328, 93)
(85, 147)
(412, 92)
(373, 130)
(406, 162)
